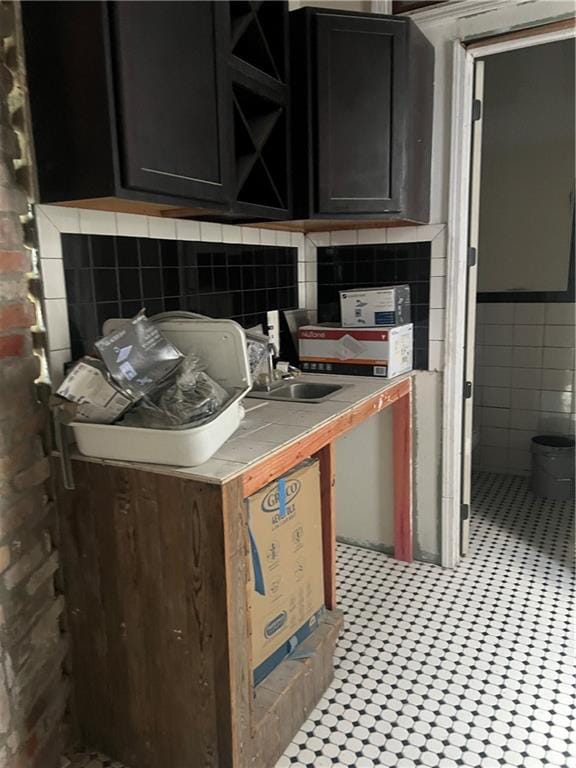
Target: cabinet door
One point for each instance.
(361, 86)
(172, 97)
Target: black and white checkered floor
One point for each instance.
(471, 667)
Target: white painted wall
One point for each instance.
(468, 20)
(527, 177)
(364, 484)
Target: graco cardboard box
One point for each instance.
(385, 352)
(286, 590)
(368, 307)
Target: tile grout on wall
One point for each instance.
(55, 220)
(525, 380)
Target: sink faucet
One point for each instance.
(267, 381)
(270, 372)
(273, 377)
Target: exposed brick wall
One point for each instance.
(33, 689)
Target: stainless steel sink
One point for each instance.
(300, 392)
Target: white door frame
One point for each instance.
(458, 227)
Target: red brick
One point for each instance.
(10, 231)
(6, 21)
(14, 261)
(6, 80)
(17, 315)
(17, 373)
(12, 346)
(11, 148)
(23, 429)
(13, 199)
(17, 399)
(34, 475)
(4, 558)
(22, 456)
(29, 509)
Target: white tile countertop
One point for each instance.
(270, 426)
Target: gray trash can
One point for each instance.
(553, 467)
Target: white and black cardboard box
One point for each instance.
(385, 352)
(367, 307)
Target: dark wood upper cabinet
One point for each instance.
(362, 116)
(171, 86)
(233, 111)
(175, 108)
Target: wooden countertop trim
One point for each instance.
(273, 466)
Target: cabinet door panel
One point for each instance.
(360, 87)
(172, 98)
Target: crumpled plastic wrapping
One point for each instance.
(257, 352)
(257, 348)
(190, 398)
(138, 356)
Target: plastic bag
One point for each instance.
(190, 398)
(257, 348)
(138, 356)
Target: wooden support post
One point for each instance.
(402, 416)
(327, 480)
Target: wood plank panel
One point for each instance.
(261, 474)
(146, 208)
(402, 449)
(115, 535)
(91, 714)
(139, 569)
(145, 570)
(156, 570)
(239, 661)
(327, 460)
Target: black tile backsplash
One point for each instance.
(366, 266)
(117, 276)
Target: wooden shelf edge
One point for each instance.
(334, 225)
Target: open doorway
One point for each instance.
(512, 257)
(522, 219)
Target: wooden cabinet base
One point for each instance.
(155, 570)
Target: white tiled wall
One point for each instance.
(53, 221)
(524, 380)
(435, 234)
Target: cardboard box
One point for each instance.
(385, 352)
(97, 397)
(368, 307)
(286, 590)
